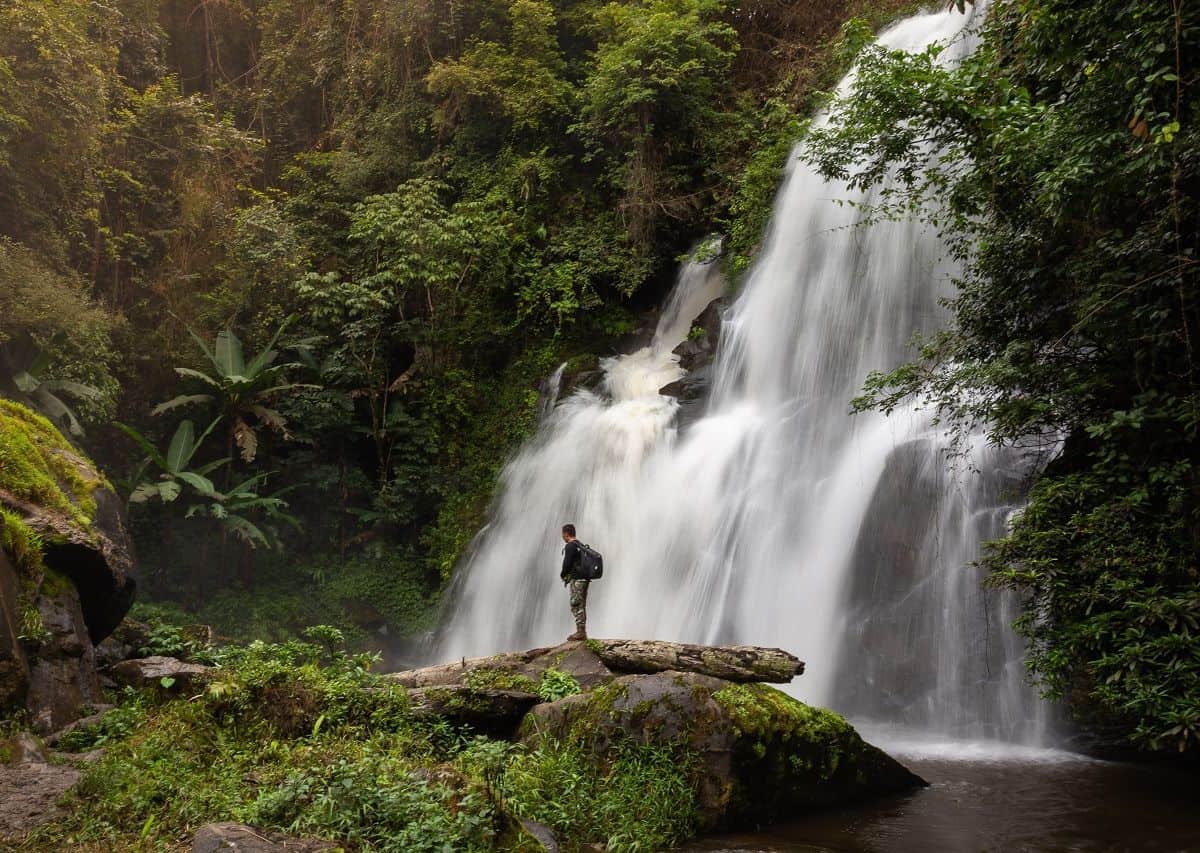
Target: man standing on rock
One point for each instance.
(570, 576)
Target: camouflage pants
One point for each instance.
(579, 589)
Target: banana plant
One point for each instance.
(45, 394)
(241, 389)
(174, 472)
(232, 507)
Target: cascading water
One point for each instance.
(777, 518)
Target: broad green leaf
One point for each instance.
(201, 484)
(75, 389)
(197, 374)
(143, 493)
(229, 358)
(182, 445)
(268, 353)
(205, 470)
(182, 400)
(150, 449)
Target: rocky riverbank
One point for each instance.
(615, 743)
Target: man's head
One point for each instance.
(568, 532)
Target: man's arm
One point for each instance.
(570, 557)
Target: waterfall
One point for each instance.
(778, 518)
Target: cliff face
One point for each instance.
(65, 570)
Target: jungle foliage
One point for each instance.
(1065, 166)
(436, 203)
(303, 737)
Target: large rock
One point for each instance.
(218, 837)
(760, 755)
(151, 671)
(65, 572)
(30, 786)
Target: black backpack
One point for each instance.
(591, 564)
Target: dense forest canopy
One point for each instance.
(292, 270)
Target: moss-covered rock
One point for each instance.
(758, 754)
(65, 570)
(788, 756)
(53, 497)
(40, 468)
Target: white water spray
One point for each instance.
(777, 518)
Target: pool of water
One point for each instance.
(988, 797)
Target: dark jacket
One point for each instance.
(571, 558)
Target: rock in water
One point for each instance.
(65, 570)
(760, 754)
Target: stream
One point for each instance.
(1000, 798)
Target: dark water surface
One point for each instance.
(998, 799)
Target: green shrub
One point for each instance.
(642, 800)
(556, 684)
(376, 800)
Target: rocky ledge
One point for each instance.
(756, 754)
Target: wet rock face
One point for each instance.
(14, 668)
(63, 681)
(696, 356)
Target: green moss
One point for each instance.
(39, 466)
(22, 544)
(788, 755)
(765, 715)
(494, 678)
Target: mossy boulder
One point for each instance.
(49, 489)
(65, 569)
(759, 755)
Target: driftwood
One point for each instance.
(732, 663)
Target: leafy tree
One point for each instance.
(661, 68)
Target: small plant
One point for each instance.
(328, 636)
(33, 630)
(556, 684)
(116, 725)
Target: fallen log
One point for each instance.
(453, 673)
(732, 663)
